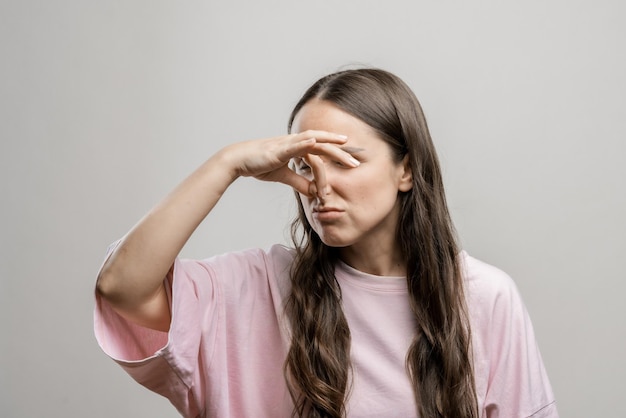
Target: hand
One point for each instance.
(268, 159)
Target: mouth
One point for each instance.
(326, 213)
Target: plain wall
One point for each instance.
(107, 105)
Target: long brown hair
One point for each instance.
(439, 359)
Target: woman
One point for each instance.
(375, 312)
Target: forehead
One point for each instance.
(326, 116)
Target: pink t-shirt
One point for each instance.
(224, 353)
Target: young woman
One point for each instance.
(374, 313)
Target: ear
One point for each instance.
(405, 182)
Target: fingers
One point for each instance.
(299, 183)
(312, 185)
(319, 185)
(313, 147)
(334, 153)
(303, 142)
(321, 136)
(314, 170)
(306, 185)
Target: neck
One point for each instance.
(378, 260)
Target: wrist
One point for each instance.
(227, 161)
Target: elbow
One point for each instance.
(146, 311)
(107, 285)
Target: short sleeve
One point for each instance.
(225, 349)
(167, 363)
(511, 379)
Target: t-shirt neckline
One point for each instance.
(355, 277)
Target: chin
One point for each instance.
(335, 236)
(335, 242)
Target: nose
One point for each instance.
(323, 180)
(315, 172)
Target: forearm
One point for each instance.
(134, 273)
(131, 279)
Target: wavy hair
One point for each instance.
(438, 362)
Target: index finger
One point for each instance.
(335, 153)
(321, 136)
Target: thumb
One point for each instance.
(290, 178)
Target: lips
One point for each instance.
(326, 209)
(326, 213)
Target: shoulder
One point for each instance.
(485, 282)
(252, 260)
(493, 299)
(276, 259)
(248, 270)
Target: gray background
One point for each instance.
(107, 105)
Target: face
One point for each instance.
(361, 205)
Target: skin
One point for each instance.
(359, 209)
(132, 278)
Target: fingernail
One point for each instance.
(354, 162)
(343, 136)
(326, 190)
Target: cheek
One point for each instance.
(375, 193)
(373, 184)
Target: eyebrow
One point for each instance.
(352, 150)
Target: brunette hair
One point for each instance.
(439, 360)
